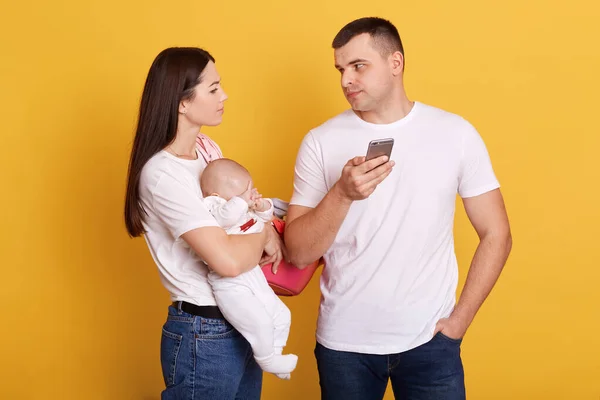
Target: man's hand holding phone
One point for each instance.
(360, 178)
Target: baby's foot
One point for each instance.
(278, 364)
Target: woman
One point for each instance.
(202, 355)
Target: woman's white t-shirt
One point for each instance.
(171, 196)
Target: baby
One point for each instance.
(247, 301)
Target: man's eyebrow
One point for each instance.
(356, 61)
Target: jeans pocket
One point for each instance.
(449, 339)
(215, 329)
(169, 350)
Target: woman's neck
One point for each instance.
(184, 144)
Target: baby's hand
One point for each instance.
(260, 204)
(248, 195)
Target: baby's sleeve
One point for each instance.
(227, 213)
(266, 216)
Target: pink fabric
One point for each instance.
(210, 150)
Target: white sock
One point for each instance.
(278, 364)
(278, 351)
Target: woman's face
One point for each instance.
(206, 107)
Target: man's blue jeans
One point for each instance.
(432, 371)
(205, 358)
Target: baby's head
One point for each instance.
(225, 178)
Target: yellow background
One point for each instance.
(82, 303)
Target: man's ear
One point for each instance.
(397, 60)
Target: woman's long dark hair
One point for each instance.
(172, 78)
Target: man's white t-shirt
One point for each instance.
(170, 193)
(391, 272)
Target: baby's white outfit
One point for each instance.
(247, 301)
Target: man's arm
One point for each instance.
(310, 231)
(488, 216)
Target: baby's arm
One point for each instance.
(227, 213)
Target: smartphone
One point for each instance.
(380, 147)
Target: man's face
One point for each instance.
(366, 75)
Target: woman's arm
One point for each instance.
(232, 255)
(184, 214)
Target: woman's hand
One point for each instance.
(274, 249)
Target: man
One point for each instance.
(385, 229)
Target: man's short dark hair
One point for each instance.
(384, 34)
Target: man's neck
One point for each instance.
(391, 111)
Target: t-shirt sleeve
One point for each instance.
(309, 174)
(476, 173)
(179, 207)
